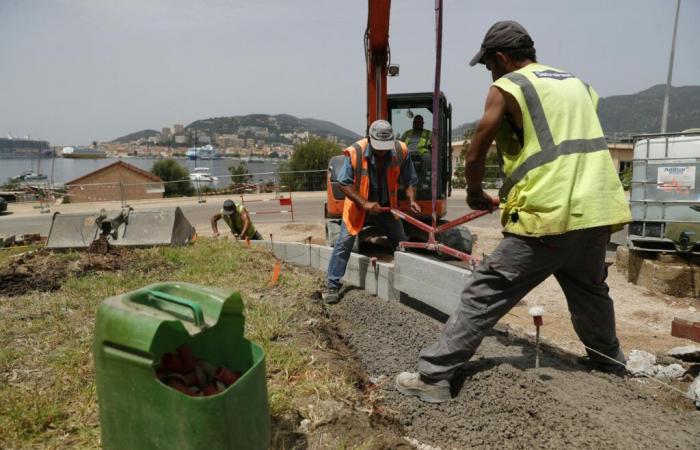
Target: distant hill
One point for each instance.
(275, 124)
(639, 113)
(143, 134)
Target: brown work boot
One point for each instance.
(411, 383)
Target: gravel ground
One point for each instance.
(502, 402)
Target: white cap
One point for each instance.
(381, 135)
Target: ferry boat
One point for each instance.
(83, 153)
(205, 152)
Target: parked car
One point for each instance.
(3, 205)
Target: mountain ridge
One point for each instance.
(639, 113)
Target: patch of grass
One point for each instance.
(47, 391)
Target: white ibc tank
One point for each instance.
(665, 193)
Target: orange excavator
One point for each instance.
(427, 230)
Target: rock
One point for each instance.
(305, 426)
(326, 411)
(690, 353)
(7, 240)
(670, 372)
(694, 392)
(416, 444)
(640, 363)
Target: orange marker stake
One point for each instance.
(275, 273)
(247, 241)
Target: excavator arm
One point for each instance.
(377, 56)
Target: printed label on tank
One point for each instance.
(676, 178)
(553, 74)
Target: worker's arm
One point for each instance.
(410, 180)
(352, 194)
(246, 223)
(215, 218)
(346, 178)
(481, 142)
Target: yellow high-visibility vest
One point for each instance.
(424, 141)
(562, 177)
(235, 221)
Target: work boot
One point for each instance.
(331, 296)
(411, 383)
(617, 370)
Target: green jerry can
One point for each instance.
(138, 411)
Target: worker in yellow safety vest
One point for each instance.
(417, 139)
(560, 200)
(238, 220)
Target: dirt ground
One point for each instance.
(643, 317)
(44, 270)
(503, 403)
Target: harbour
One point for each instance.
(62, 170)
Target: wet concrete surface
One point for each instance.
(500, 402)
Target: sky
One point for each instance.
(74, 71)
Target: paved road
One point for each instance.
(307, 208)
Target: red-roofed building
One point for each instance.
(114, 181)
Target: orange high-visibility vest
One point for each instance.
(354, 215)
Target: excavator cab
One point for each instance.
(402, 108)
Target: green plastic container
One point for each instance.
(137, 411)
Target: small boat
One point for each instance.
(202, 175)
(30, 177)
(257, 159)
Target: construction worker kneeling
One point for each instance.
(238, 220)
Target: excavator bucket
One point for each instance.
(127, 228)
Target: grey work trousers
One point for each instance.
(519, 263)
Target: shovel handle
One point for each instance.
(197, 313)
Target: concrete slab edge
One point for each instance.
(408, 274)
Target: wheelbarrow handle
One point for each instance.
(197, 313)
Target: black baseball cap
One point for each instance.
(504, 35)
(229, 207)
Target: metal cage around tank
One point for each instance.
(665, 193)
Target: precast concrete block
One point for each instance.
(379, 281)
(434, 283)
(279, 249)
(315, 256)
(356, 270)
(298, 254)
(324, 257)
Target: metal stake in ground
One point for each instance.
(537, 312)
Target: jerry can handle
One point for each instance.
(197, 313)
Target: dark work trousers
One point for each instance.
(519, 263)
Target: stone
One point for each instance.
(694, 392)
(641, 363)
(689, 353)
(7, 241)
(670, 372)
